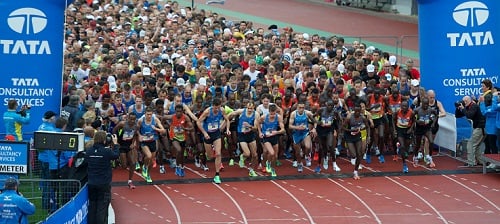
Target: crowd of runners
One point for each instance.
(181, 86)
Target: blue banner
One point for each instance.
(31, 52)
(14, 157)
(73, 212)
(458, 47)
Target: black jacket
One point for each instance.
(99, 160)
(472, 112)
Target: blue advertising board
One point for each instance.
(31, 52)
(14, 157)
(73, 212)
(458, 47)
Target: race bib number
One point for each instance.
(213, 127)
(148, 138)
(404, 122)
(178, 130)
(327, 121)
(128, 135)
(395, 108)
(269, 131)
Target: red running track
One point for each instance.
(445, 198)
(446, 194)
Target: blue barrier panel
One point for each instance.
(73, 212)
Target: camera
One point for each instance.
(459, 103)
(109, 139)
(23, 110)
(98, 29)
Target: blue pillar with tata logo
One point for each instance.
(459, 47)
(31, 53)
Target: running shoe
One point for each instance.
(300, 168)
(381, 158)
(173, 163)
(325, 163)
(154, 163)
(278, 162)
(131, 185)
(429, 162)
(415, 161)
(268, 166)
(252, 173)
(316, 156)
(368, 159)
(241, 163)
(355, 175)
(377, 152)
(148, 179)
(273, 173)
(231, 162)
(364, 156)
(317, 169)
(337, 151)
(353, 161)
(204, 167)
(178, 171)
(137, 166)
(181, 172)
(405, 168)
(295, 164)
(336, 168)
(264, 170)
(197, 161)
(308, 161)
(144, 171)
(287, 154)
(420, 155)
(217, 179)
(162, 169)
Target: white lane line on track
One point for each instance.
(296, 200)
(359, 199)
(421, 198)
(473, 191)
(243, 216)
(176, 211)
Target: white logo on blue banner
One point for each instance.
(31, 53)
(457, 47)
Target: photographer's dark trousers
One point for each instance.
(49, 199)
(99, 200)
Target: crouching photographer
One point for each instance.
(470, 109)
(99, 158)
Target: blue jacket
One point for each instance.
(490, 115)
(13, 123)
(14, 208)
(496, 107)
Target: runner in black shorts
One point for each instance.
(127, 138)
(425, 119)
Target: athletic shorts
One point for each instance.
(403, 133)
(247, 137)
(213, 136)
(379, 121)
(182, 143)
(421, 130)
(273, 140)
(325, 131)
(150, 145)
